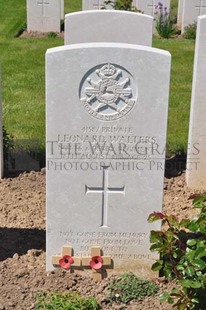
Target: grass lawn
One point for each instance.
(23, 77)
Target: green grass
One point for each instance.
(12, 17)
(182, 52)
(23, 77)
(23, 72)
(65, 301)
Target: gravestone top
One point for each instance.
(108, 26)
(103, 176)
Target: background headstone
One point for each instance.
(108, 26)
(107, 106)
(191, 10)
(196, 155)
(62, 9)
(1, 134)
(179, 13)
(148, 6)
(44, 15)
(95, 5)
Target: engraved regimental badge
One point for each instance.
(108, 92)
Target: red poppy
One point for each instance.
(96, 262)
(66, 261)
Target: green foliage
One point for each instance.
(164, 25)
(190, 31)
(52, 34)
(125, 5)
(182, 249)
(128, 287)
(65, 301)
(7, 143)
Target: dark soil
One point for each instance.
(22, 245)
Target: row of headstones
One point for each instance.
(148, 7)
(106, 135)
(188, 11)
(46, 15)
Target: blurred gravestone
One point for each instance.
(95, 5)
(62, 9)
(191, 10)
(196, 155)
(179, 13)
(44, 15)
(149, 6)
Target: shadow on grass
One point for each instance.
(20, 240)
(23, 156)
(175, 166)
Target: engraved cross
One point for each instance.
(43, 3)
(201, 6)
(105, 190)
(152, 6)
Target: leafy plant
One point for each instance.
(65, 301)
(190, 31)
(182, 248)
(52, 34)
(164, 25)
(128, 287)
(125, 5)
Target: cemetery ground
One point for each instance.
(22, 243)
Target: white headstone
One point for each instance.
(179, 13)
(62, 9)
(191, 10)
(95, 5)
(44, 15)
(149, 6)
(108, 26)
(107, 109)
(1, 135)
(196, 155)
